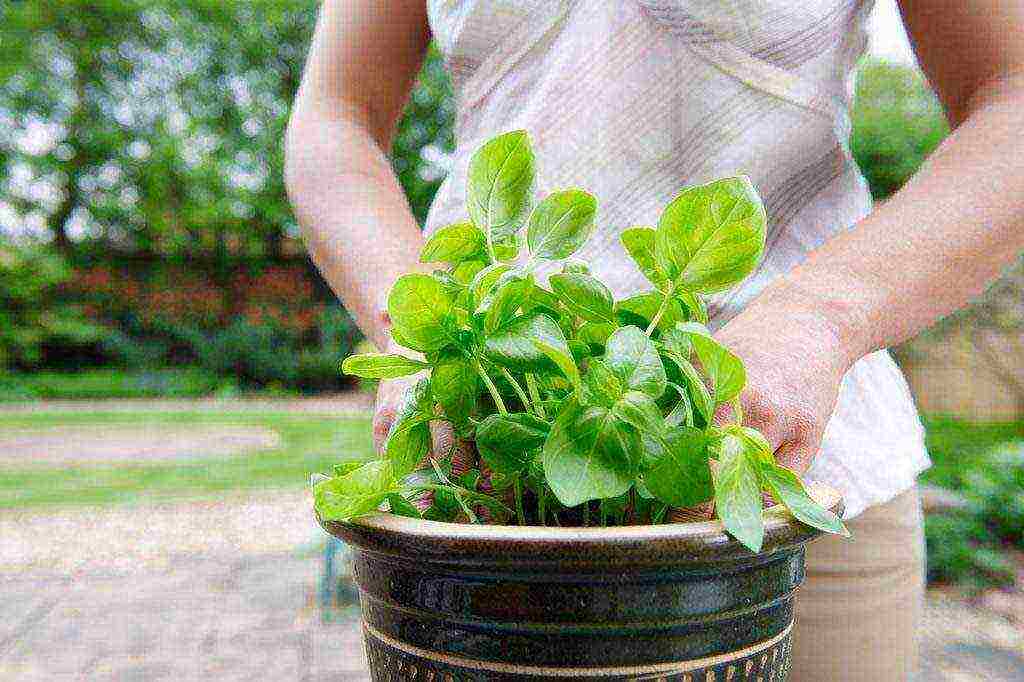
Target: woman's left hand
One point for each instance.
(795, 360)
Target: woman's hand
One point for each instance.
(795, 356)
(390, 395)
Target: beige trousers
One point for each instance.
(857, 614)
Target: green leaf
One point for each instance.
(639, 310)
(680, 475)
(601, 386)
(700, 397)
(639, 410)
(561, 224)
(408, 439)
(564, 361)
(507, 442)
(486, 279)
(500, 184)
(786, 487)
(738, 492)
(359, 492)
(513, 346)
(585, 296)
(509, 293)
(454, 244)
(381, 366)
(466, 271)
(455, 386)
(595, 333)
(575, 267)
(639, 243)
(694, 304)
(420, 308)
(682, 411)
(721, 366)
(633, 358)
(711, 236)
(589, 455)
(402, 507)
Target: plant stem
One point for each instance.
(531, 384)
(737, 410)
(491, 388)
(479, 498)
(586, 513)
(518, 483)
(542, 505)
(523, 398)
(661, 310)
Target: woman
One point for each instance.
(633, 99)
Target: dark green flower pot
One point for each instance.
(444, 601)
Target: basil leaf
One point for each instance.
(408, 439)
(565, 362)
(510, 292)
(738, 492)
(639, 243)
(575, 267)
(694, 304)
(499, 185)
(485, 280)
(700, 397)
(512, 345)
(711, 236)
(639, 410)
(466, 271)
(723, 369)
(786, 487)
(585, 296)
(595, 333)
(682, 411)
(561, 224)
(381, 366)
(455, 386)
(420, 308)
(680, 476)
(676, 341)
(402, 507)
(601, 386)
(589, 455)
(360, 491)
(632, 357)
(507, 441)
(639, 310)
(454, 244)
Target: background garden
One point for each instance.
(147, 250)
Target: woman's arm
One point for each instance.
(928, 251)
(354, 216)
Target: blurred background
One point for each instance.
(169, 358)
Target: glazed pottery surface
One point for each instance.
(443, 601)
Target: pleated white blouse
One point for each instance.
(634, 99)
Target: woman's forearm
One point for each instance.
(933, 247)
(354, 217)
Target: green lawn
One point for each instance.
(309, 443)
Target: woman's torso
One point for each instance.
(634, 99)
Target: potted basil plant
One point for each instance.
(557, 556)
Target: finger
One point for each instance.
(463, 454)
(796, 456)
(383, 418)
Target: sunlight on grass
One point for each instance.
(308, 444)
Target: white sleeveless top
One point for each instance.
(634, 99)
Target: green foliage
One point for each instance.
(28, 318)
(897, 123)
(598, 422)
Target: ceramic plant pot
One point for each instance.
(444, 602)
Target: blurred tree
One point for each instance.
(897, 123)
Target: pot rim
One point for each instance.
(700, 540)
